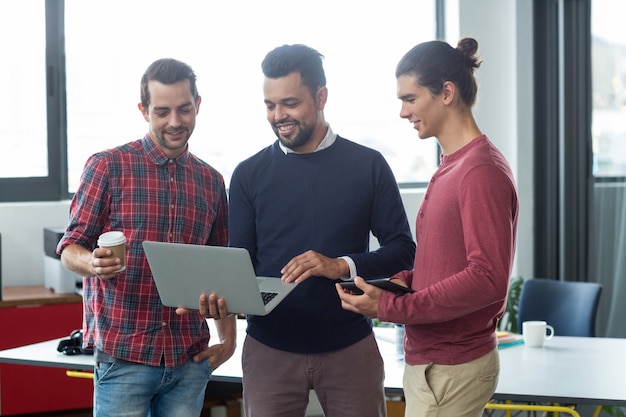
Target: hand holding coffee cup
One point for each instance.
(116, 243)
(536, 333)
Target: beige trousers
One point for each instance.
(433, 390)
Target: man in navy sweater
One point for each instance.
(304, 208)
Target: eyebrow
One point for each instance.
(284, 100)
(188, 104)
(407, 96)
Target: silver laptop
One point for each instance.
(183, 272)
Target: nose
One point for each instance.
(279, 114)
(404, 113)
(174, 119)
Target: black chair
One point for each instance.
(570, 307)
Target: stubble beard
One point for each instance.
(301, 138)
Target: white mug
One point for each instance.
(534, 333)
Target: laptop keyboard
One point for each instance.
(268, 296)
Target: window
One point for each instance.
(607, 220)
(23, 123)
(225, 43)
(609, 89)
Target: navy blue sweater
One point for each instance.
(328, 201)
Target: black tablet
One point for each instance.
(383, 283)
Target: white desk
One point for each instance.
(567, 370)
(574, 370)
(45, 354)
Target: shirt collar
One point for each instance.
(157, 155)
(328, 140)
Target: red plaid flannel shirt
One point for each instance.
(136, 189)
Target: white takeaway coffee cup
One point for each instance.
(116, 243)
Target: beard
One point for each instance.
(160, 138)
(302, 136)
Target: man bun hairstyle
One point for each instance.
(435, 62)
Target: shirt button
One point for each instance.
(164, 324)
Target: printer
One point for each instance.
(56, 276)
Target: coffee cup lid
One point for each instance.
(111, 239)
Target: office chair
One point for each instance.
(570, 307)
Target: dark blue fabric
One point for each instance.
(327, 201)
(570, 307)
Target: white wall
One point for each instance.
(21, 225)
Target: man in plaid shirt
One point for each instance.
(149, 359)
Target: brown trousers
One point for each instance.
(348, 382)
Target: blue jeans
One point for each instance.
(134, 390)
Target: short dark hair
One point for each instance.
(435, 62)
(285, 59)
(167, 71)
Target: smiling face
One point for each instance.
(420, 106)
(296, 116)
(171, 115)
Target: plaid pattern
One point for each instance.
(136, 189)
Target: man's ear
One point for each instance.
(143, 111)
(320, 98)
(448, 92)
(198, 104)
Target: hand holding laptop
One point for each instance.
(210, 306)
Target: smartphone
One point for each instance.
(384, 283)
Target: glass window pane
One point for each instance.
(23, 121)
(609, 88)
(225, 43)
